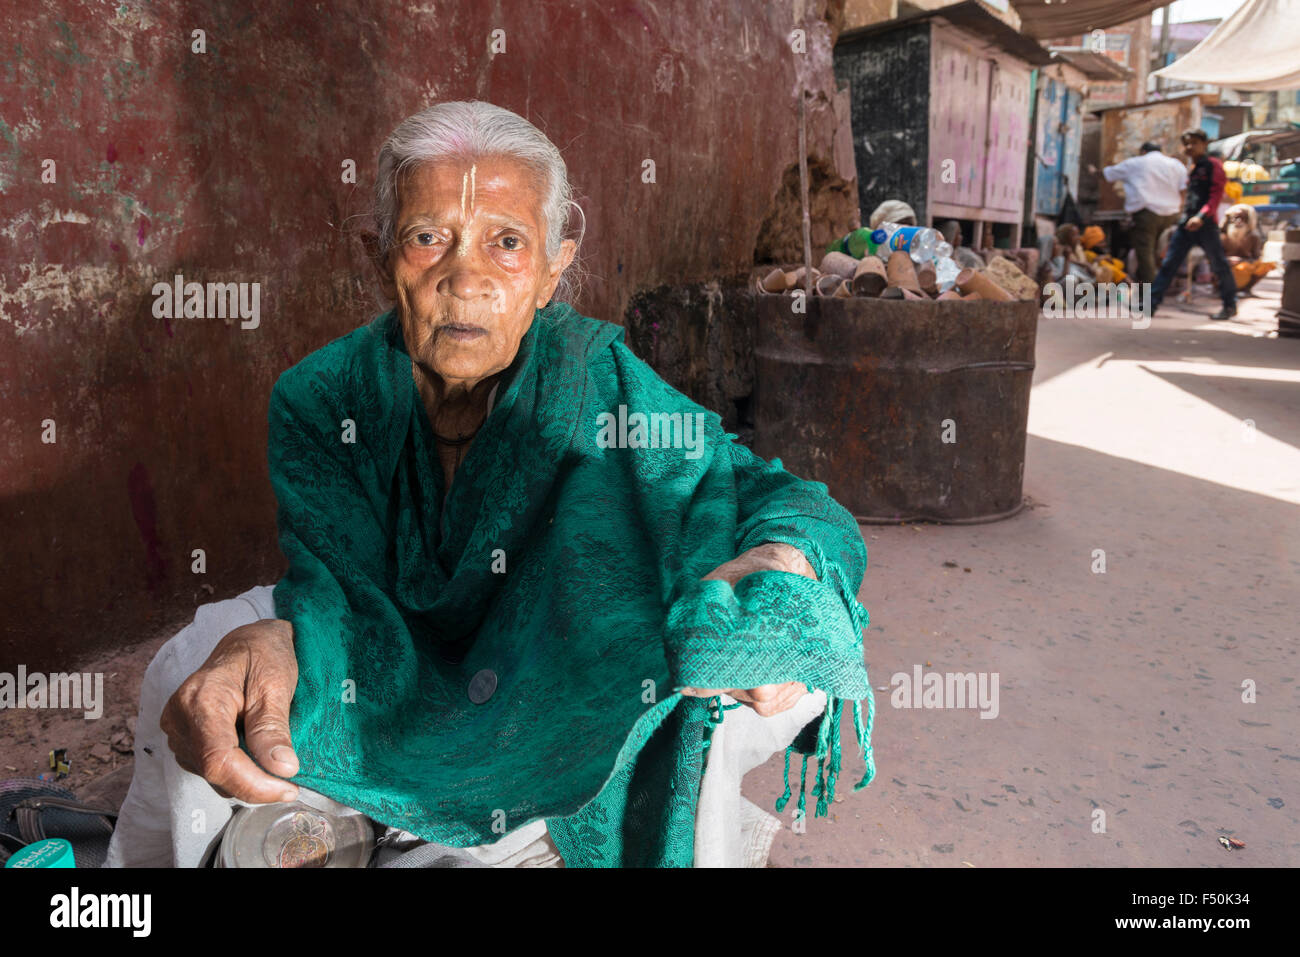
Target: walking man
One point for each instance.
(1153, 187)
(1199, 227)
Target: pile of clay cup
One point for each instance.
(842, 276)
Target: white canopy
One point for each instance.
(1257, 48)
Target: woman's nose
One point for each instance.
(466, 278)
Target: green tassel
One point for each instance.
(823, 748)
(784, 799)
(864, 738)
(715, 710)
(803, 780)
(833, 769)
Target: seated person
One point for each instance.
(892, 211)
(1068, 259)
(527, 579)
(963, 256)
(1244, 247)
(1105, 268)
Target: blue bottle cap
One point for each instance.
(51, 852)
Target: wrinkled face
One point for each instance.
(470, 265)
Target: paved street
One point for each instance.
(1119, 691)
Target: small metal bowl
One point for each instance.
(310, 832)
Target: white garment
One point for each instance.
(1151, 181)
(170, 816)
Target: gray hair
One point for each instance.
(469, 130)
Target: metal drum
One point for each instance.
(862, 394)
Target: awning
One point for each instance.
(1257, 48)
(1044, 20)
(1094, 66)
(1286, 140)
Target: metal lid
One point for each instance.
(310, 832)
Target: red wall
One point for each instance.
(225, 166)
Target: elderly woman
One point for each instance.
(1244, 246)
(528, 581)
(892, 211)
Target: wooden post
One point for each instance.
(803, 196)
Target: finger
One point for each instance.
(215, 752)
(787, 697)
(766, 692)
(266, 722)
(234, 774)
(771, 693)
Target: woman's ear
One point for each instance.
(380, 260)
(555, 269)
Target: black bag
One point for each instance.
(32, 810)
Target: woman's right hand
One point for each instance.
(250, 675)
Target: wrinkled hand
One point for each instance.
(766, 700)
(1195, 223)
(251, 674)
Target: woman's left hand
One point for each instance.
(766, 700)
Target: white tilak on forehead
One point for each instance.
(466, 183)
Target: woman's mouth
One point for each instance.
(462, 332)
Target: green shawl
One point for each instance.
(568, 568)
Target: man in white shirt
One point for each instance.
(1153, 186)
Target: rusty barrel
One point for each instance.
(907, 410)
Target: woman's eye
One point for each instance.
(512, 243)
(425, 239)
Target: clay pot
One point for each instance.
(827, 284)
(971, 280)
(869, 278)
(774, 281)
(844, 290)
(927, 280)
(901, 272)
(796, 278)
(950, 294)
(840, 264)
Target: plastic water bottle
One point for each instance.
(920, 242)
(945, 270)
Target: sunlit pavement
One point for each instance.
(1175, 451)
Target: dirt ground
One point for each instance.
(100, 773)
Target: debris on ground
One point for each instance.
(60, 763)
(1231, 843)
